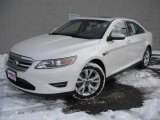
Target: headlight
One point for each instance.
(56, 63)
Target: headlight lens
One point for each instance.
(56, 63)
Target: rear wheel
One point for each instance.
(90, 82)
(146, 58)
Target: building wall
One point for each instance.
(22, 19)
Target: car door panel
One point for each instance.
(116, 51)
(136, 41)
(136, 44)
(116, 56)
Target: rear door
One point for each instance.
(136, 41)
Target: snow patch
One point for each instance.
(8, 89)
(56, 114)
(138, 79)
(155, 93)
(118, 115)
(15, 103)
(3, 59)
(150, 110)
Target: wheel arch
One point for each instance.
(149, 46)
(100, 63)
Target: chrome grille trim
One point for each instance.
(18, 62)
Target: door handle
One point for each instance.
(105, 53)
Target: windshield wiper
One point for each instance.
(56, 33)
(61, 34)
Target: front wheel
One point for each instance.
(90, 82)
(146, 58)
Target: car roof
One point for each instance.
(98, 18)
(106, 18)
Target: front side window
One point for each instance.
(134, 29)
(87, 29)
(120, 28)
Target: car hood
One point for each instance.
(50, 46)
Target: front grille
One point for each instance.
(18, 62)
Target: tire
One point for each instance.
(90, 82)
(146, 59)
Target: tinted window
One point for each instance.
(120, 28)
(134, 29)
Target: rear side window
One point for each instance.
(134, 29)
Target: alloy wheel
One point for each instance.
(88, 82)
(146, 58)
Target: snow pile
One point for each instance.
(138, 79)
(118, 115)
(14, 103)
(52, 115)
(10, 90)
(150, 110)
(3, 59)
(154, 94)
(144, 80)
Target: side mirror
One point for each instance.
(116, 36)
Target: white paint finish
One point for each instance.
(120, 54)
(116, 55)
(136, 45)
(50, 46)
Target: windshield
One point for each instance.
(87, 29)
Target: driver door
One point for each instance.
(117, 51)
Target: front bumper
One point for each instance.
(47, 81)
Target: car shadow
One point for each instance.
(113, 97)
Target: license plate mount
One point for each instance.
(11, 75)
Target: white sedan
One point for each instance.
(78, 56)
